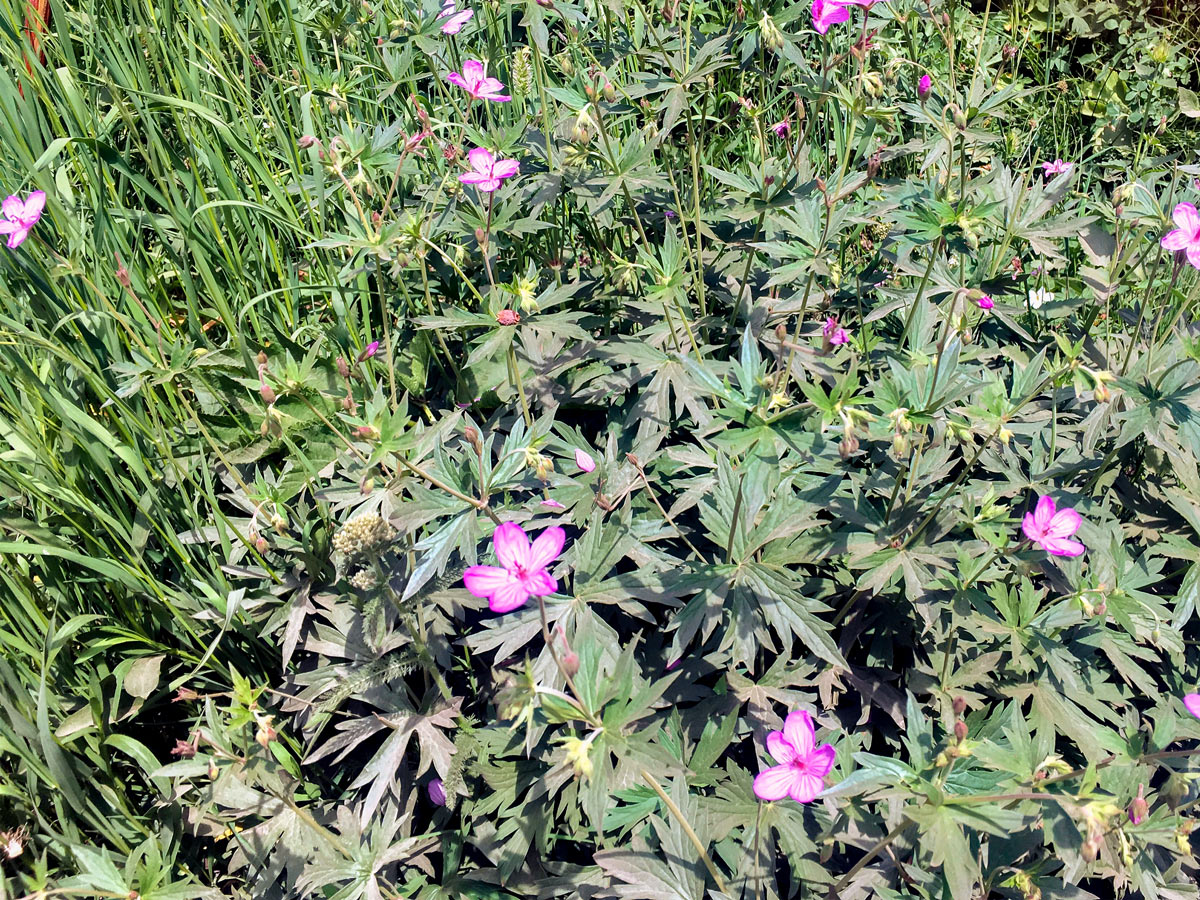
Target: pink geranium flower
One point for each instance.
(802, 766)
(1192, 702)
(456, 20)
(475, 82)
(20, 216)
(1058, 167)
(986, 302)
(924, 88)
(781, 128)
(522, 572)
(1186, 235)
(553, 504)
(834, 333)
(437, 792)
(1051, 528)
(487, 172)
(827, 13)
(585, 461)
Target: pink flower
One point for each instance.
(553, 504)
(924, 88)
(827, 13)
(456, 19)
(834, 333)
(584, 461)
(1192, 702)
(986, 302)
(1051, 530)
(1186, 235)
(20, 217)
(781, 128)
(371, 349)
(474, 81)
(522, 572)
(802, 765)
(1057, 167)
(437, 792)
(487, 171)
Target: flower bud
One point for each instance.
(960, 119)
(437, 792)
(848, 446)
(508, 317)
(1138, 807)
(471, 435)
(307, 141)
(570, 663)
(260, 544)
(348, 403)
(367, 486)
(343, 369)
(924, 88)
(267, 393)
(959, 705)
(960, 731)
(610, 92)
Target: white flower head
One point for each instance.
(1039, 296)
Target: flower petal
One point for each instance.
(1193, 255)
(805, 787)
(1186, 217)
(1044, 512)
(584, 460)
(1064, 523)
(546, 548)
(1030, 528)
(781, 751)
(1062, 547)
(17, 238)
(477, 178)
(541, 583)
(820, 761)
(455, 23)
(12, 207)
(512, 546)
(484, 581)
(36, 202)
(482, 160)
(8, 227)
(773, 783)
(1176, 240)
(505, 168)
(472, 71)
(456, 79)
(1192, 702)
(511, 596)
(798, 729)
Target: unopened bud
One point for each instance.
(471, 435)
(570, 663)
(848, 446)
(959, 705)
(1138, 807)
(267, 393)
(960, 731)
(261, 358)
(260, 544)
(610, 92)
(348, 403)
(306, 141)
(589, 92)
(367, 486)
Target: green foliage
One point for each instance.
(238, 658)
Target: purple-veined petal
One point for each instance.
(1186, 217)
(584, 460)
(1193, 255)
(820, 761)
(477, 178)
(1062, 546)
(547, 547)
(805, 787)
(1064, 523)
(17, 238)
(512, 596)
(483, 581)
(773, 783)
(455, 23)
(1176, 240)
(541, 583)
(481, 160)
(12, 207)
(472, 70)
(1029, 527)
(512, 546)
(456, 79)
(506, 168)
(34, 204)
(781, 751)
(798, 729)
(8, 227)
(1044, 512)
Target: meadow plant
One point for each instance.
(877, 322)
